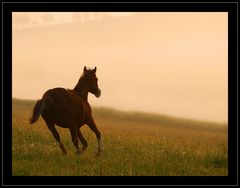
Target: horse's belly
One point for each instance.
(66, 124)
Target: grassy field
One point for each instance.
(135, 144)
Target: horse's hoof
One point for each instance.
(78, 152)
(99, 153)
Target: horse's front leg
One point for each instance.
(93, 127)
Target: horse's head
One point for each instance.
(92, 80)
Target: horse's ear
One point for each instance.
(95, 69)
(85, 69)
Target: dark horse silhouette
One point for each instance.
(69, 108)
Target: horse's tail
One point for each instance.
(37, 110)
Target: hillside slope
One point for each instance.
(135, 144)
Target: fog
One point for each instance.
(165, 63)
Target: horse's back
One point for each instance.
(57, 97)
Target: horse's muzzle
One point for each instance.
(98, 93)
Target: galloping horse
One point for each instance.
(70, 109)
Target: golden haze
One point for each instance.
(167, 63)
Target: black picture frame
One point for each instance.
(222, 6)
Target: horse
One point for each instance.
(69, 108)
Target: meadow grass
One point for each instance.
(135, 144)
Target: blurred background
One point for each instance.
(165, 63)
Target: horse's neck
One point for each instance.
(81, 89)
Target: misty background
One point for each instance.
(164, 63)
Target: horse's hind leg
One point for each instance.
(74, 135)
(83, 141)
(56, 135)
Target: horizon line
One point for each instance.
(143, 112)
